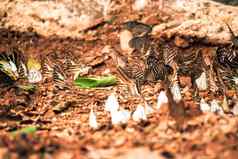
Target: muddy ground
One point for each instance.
(61, 116)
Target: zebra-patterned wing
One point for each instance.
(232, 59)
(17, 57)
(68, 62)
(46, 68)
(59, 78)
(3, 56)
(9, 69)
(22, 70)
(170, 53)
(139, 77)
(188, 56)
(197, 64)
(155, 65)
(140, 44)
(77, 69)
(135, 74)
(137, 28)
(227, 57)
(12, 55)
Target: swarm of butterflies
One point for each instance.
(160, 60)
(17, 67)
(165, 61)
(14, 65)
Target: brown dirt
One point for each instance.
(66, 134)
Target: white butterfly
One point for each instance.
(204, 106)
(216, 108)
(162, 99)
(148, 109)
(93, 120)
(139, 114)
(201, 82)
(34, 76)
(111, 104)
(120, 117)
(175, 90)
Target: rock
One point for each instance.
(125, 37)
(53, 18)
(180, 42)
(158, 29)
(140, 4)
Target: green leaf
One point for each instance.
(26, 130)
(91, 82)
